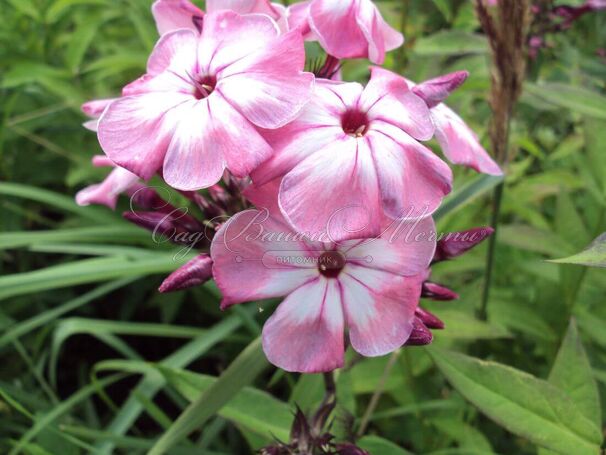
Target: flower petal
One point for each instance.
(379, 35)
(413, 180)
(335, 24)
(268, 87)
(305, 333)
(246, 265)
(460, 144)
(135, 131)
(405, 248)
(172, 15)
(227, 37)
(388, 97)
(235, 138)
(192, 160)
(175, 51)
(436, 90)
(379, 311)
(334, 191)
(107, 192)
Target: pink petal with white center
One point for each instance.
(305, 333)
(233, 136)
(245, 259)
(135, 131)
(380, 36)
(244, 7)
(228, 37)
(388, 97)
(405, 248)
(412, 179)
(174, 51)
(460, 144)
(194, 158)
(107, 192)
(379, 313)
(268, 86)
(335, 24)
(334, 191)
(435, 91)
(293, 146)
(172, 15)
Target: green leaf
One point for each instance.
(60, 7)
(451, 42)
(257, 411)
(47, 316)
(379, 446)
(464, 326)
(577, 99)
(464, 434)
(85, 271)
(593, 256)
(470, 191)
(59, 201)
(521, 403)
(242, 371)
(572, 373)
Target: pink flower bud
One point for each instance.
(196, 272)
(435, 291)
(456, 243)
(430, 320)
(420, 335)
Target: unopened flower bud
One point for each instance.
(430, 320)
(420, 335)
(196, 272)
(436, 291)
(456, 243)
(434, 91)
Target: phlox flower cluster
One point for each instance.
(316, 190)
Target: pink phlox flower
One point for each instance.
(369, 288)
(93, 109)
(196, 111)
(352, 158)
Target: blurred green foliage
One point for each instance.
(94, 360)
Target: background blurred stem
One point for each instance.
(507, 31)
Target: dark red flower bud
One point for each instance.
(436, 291)
(434, 91)
(420, 335)
(196, 272)
(455, 244)
(148, 199)
(350, 449)
(430, 320)
(300, 432)
(329, 69)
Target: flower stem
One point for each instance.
(376, 396)
(492, 243)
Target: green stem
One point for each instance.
(496, 211)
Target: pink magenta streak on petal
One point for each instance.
(305, 334)
(405, 248)
(460, 144)
(412, 179)
(135, 131)
(245, 263)
(379, 313)
(268, 86)
(334, 190)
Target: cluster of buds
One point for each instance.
(452, 245)
(311, 435)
